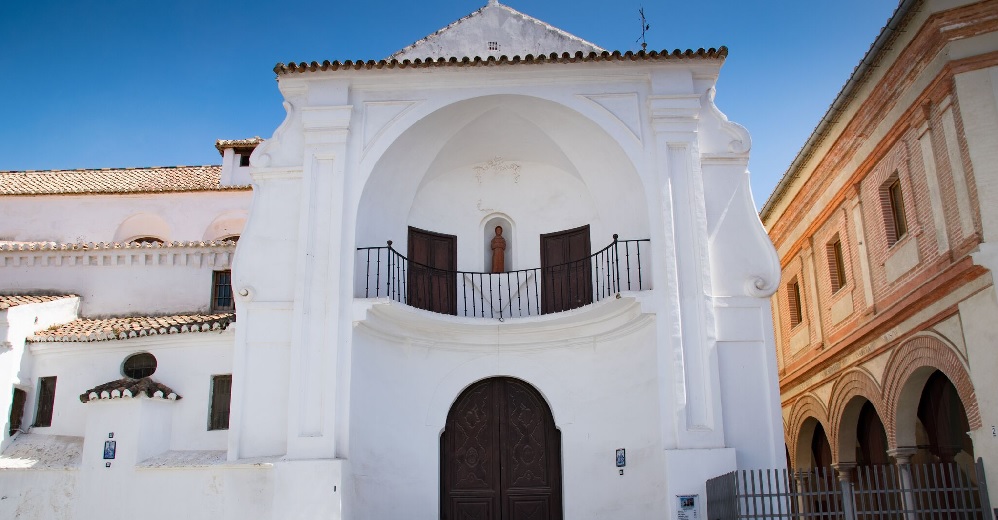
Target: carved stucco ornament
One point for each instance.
(497, 166)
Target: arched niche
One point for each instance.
(142, 225)
(539, 163)
(225, 226)
(489, 233)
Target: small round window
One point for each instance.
(139, 365)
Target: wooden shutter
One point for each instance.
(221, 395)
(46, 401)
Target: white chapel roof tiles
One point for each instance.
(719, 53)
(86, 330)
(127, 387)
(155, 179)
(13, 300)
(6, 245)
(222, 144)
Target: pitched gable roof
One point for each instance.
(495, 30)
(114, 180)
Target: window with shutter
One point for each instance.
(46, 401)
(221, 395)
(794, 303)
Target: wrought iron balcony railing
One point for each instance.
(617, 267)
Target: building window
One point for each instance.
(836, 264)
(221, 395)
(221, 292)
(892, 205)
(46, 401)
(244, 158)
(138, 366)
(794, 303)
(17, 410)
(493, 46)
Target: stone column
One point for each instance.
(902, 457)
(844, 471)
(855, 205)
(811, 290)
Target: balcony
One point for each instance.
(621, 266)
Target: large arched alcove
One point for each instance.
(546, 166)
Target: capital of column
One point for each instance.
(326, 124)
(844, 469)
(674, 113)
(903, 454)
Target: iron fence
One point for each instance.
(620, 266)
(943, 491)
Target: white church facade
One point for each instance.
(326, 326)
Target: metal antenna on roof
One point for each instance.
(644, 28)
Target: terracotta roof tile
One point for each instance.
(128, 388)
(85, 330)
(13, 300)
(223, 144)
(114, 180)
(100, 246)
(578, 57)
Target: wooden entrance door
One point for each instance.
(500, 455)
(432, 275)
(566, 270)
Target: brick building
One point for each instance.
(886, 317)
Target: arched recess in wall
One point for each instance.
(543, 165)
(908, 370)
(489, 234)
(847, 410)
(805, 415)
(226, 225)
(143, 225)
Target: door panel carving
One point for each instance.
(500, 455)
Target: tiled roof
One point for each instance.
(222, 144)
(99, 246)
(127, 388)
(114, 180)
(578, 57)
(84, 330)
(13, 300)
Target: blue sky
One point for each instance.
(117, 83)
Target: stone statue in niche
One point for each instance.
(498, 252)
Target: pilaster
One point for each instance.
(315, 343)
(687, 339)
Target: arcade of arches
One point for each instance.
(920, 412)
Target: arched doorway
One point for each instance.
(943, 422)
(871, 438)
(821, 450)
(500, 454)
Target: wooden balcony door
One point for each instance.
(566, 270)
(432, 277)
(500, 455)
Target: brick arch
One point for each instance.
(843, 410)
(907, 370)
(805, 408)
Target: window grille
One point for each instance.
(836, 264)
(221, 395)
(46, 401)
(221, 292)
(140, 365)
